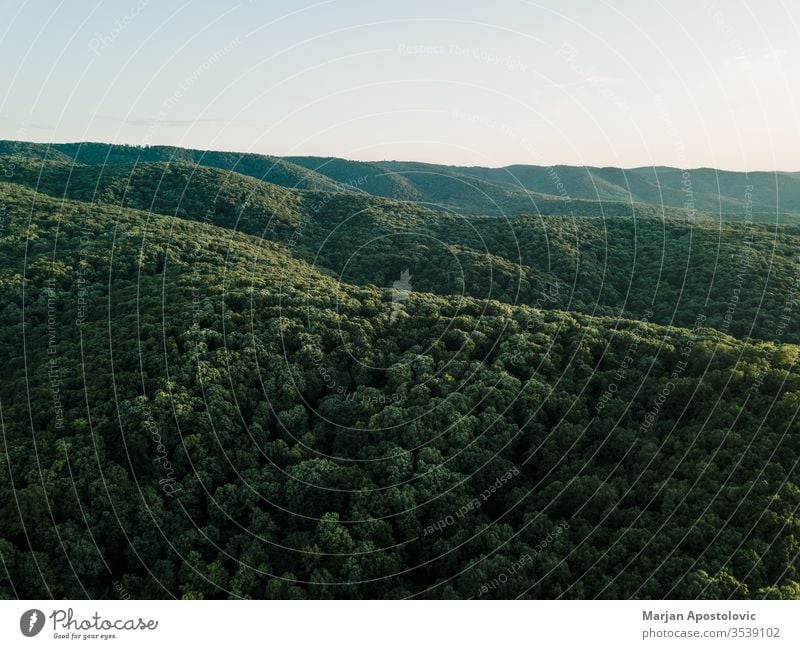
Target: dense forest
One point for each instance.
(251, 377)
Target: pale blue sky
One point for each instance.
(683, 83)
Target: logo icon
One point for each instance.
(31, 622)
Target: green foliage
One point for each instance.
(231, 403)
(739, 274)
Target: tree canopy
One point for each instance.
(216, 386)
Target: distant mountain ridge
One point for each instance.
(514, 189)
(263, 167)
(703, 189)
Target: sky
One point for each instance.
(626, 83)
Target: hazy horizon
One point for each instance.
(431, 162)
(575, 83)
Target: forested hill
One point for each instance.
(516, 189)
(215, 386)
(725, 194)
(741, 275)
(268, 168)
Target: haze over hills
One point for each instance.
(283, 379)
(515, 189)
(712, 190)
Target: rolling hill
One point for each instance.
(740, 275)
(517, 189)
(217, 386)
